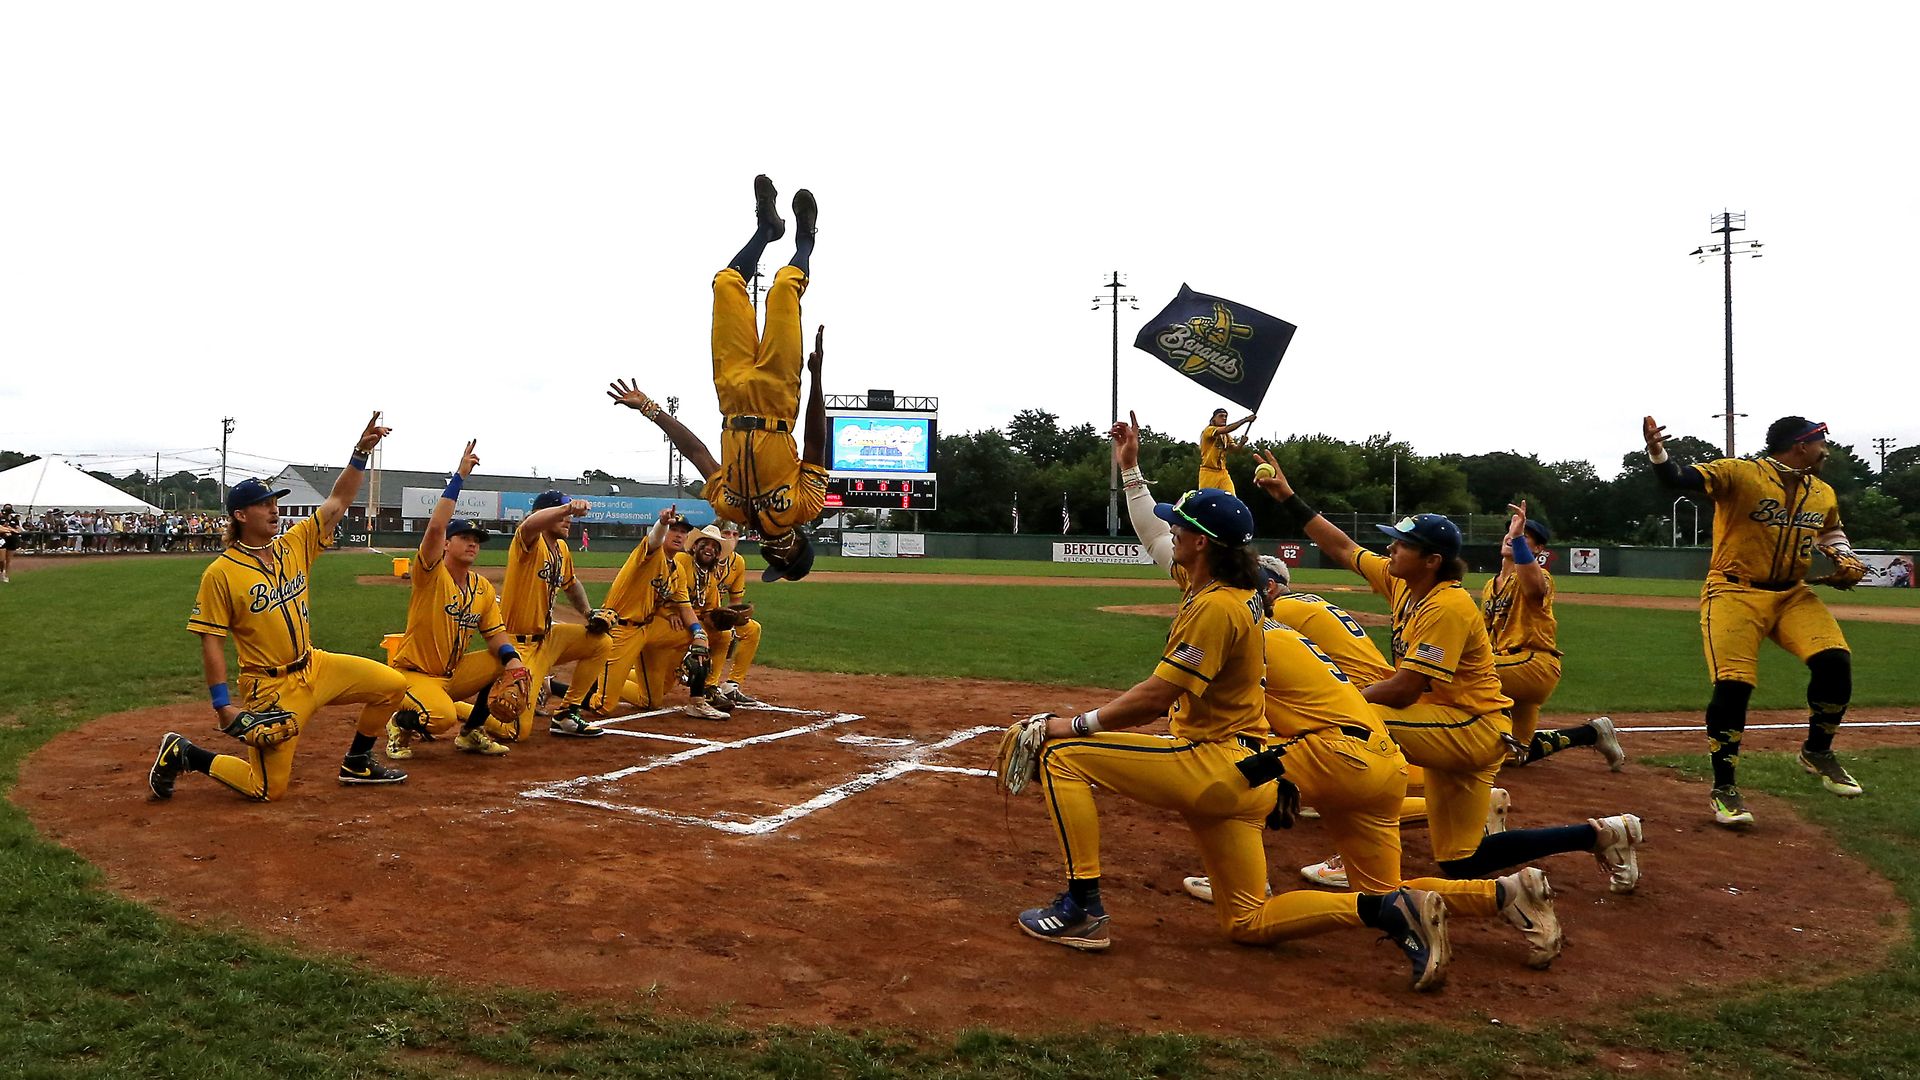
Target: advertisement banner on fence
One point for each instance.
(610, 509)
(1101, 553)
(856, 545)
(1888, 571)
(885, 545)
(479, 505)
(913, 546)
(1583, 560)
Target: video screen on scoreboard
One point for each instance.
(867, 443)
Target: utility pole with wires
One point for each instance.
(226, 429)
(1113, 300)
(676, 469)
(1725, 224)
(755, 289)
(1883, 446)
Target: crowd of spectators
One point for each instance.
(98, 532)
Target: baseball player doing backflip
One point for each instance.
(1769, 514)
(256, 594)
(762, 479)
(1443, 704)
(450, 604)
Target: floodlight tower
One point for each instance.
(1113, 300)
(1725, 224)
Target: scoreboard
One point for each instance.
(881, 493)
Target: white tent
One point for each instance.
(51, 484)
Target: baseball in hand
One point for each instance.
(1263, 471)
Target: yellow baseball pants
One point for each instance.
(1217, 478)
(1529, 678)
(442, 701)
(739, 646)
(328, 679)
(755, 375)
(1461, 755)
(1198, 781)
(564, 642)
(1735, 619)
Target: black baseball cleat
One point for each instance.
(806, 213)
(772, 225)
(167, 765)
(362, 769)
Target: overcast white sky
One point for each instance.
(474, 215)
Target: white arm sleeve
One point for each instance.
(1835, 538)
(1154, 534)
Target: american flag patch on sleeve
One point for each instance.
(1432, 654)
(1188, 653)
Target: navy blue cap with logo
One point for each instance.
(793, 565)
(465, 526)
(250, 493)
(1213, 513)
(549, 499)
(1539, 531)
(1431, 531)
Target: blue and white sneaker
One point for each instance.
(1416, 920)
(1065, 923)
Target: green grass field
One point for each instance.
(91, 985)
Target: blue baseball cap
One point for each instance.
(792, 566)
(463, 526)
(1430, 531)
(550, 498)
(1539, 531)
(1213, 513)
(250, 493)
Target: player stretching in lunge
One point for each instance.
(1769, 513)
(1443, 703)
(256, 593)
(450, 604)
(1208, 681)
(762, 479)
(1215, 440)
(538, 566)
(1517, 603)
(1331, 747)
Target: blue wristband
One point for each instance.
(1521, 552)
(507, 652)
(220, 695)
(357, 461)
(454, 484)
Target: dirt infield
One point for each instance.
(855, 872)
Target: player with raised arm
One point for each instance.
(1517, 603)
(256, 593)
(1443, 703)
(1770, 514)
(1215, 440)
(761, 478)
(451, 603)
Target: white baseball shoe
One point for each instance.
(700, 709)
(1201, 888)
(1607, 741)
(1497, 811)
(1331, 874)
(1527, 903)
(1615, 850)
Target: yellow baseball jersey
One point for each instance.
(645, 581)
(443, 616)
(537, 567)
(1440, 635)
(1306, 690)
(1517, 622)
(1337, 633)
(262, 607)
(1217, 654)
(763, 470)
(733, 578)
(702, 587)
(1765, 519)
(1213, 448)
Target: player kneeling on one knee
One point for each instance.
(1207, 681)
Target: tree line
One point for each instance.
(1033, 462)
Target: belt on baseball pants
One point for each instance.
(634, 622)
(758, 423)
(529, 639)
(276, 672)
(1770, 586)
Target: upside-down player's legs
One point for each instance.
(328, 679)
(755, 375)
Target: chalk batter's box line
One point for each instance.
(565, 790)
(1772, 727)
